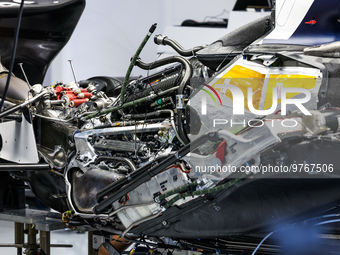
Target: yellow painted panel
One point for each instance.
(279, 81)
(243, 78)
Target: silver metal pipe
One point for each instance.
(130, 206)
(19, 106)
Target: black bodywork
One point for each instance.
(45, 29)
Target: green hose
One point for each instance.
(177, 190)
(202, 192)
(126, 79)
(133, 61)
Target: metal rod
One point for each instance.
(74, 74)
(24, 167)
(19, 236)
(90, 244)
(31, 236)
(56, 102)
(23, 72)
(45, 241)
(61, 245)
(11, 245)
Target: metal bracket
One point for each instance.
(306, 60)
(97, 241)
(110, 249)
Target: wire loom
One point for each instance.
(198, 192)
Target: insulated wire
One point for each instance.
(327, 222)
(317, 224)
(264, 239)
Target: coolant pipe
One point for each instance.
(144, 173)
(133, 60)
(169, 60)
(164, 40)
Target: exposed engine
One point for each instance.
(105, 139)
(97, 152)
(237, 132)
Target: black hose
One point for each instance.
(164, 40)
(187, 75)
(180, 124)
(17, 118)
(21, 9)
(119, 159)
(143, 115)
(165, 61)
(166, 82)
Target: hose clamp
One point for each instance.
(180, 102)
